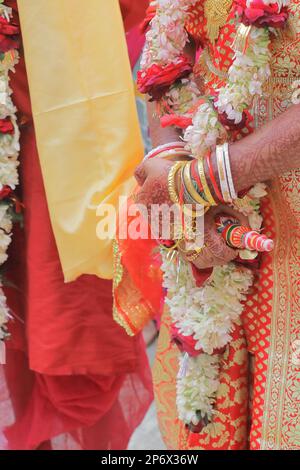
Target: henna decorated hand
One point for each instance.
(268, 152)
(216, 252)
(152, 176)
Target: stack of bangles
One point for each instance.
(192, 187)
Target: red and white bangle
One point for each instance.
(212, 178)
(225, 175)
(172, 147)
(228, 171)
(222, 174)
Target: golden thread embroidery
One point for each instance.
(280, 406)
(117, 279)
(280, 425)
(216, 13)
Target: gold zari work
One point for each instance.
(216, 13)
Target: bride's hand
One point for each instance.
(152, 176)
(216, 252)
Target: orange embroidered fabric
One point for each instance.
(137, 290)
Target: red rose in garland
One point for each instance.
(5, 192)
(229, 124)
(150, 13)
(157, 79)
(260, 14)
(6, 126)
(9, 35)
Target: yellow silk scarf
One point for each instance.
(85, 119)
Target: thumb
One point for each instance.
(141, 174)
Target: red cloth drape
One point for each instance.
(133, 12)
(72, 373)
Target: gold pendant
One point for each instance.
(216, 13)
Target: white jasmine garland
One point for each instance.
(207, 313)
(167, 36)
(5, 218)
(10, 144)
(181, 96)
(196, 390)
(8, 171)
(165, 42)
(206, 129)
(9, 151)
(246, 76)
(6, 105)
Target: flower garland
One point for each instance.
(176, 107)
(197, 387)
(163, 64)
(163, 61)
(9, 145)
(246, 78)
(203, 318)
(206, 313)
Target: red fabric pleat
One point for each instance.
(133, 12)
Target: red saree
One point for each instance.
(73, 379)
(257, 403)
(133, 12)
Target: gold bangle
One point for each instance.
(171, 182)
(194, 255)
(168, 154)
(190, 187)
(206, 189)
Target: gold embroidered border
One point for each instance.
(280, 420)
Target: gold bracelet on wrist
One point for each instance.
(206, 189)
(168, 154)
(172, 182)
(190, 187)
